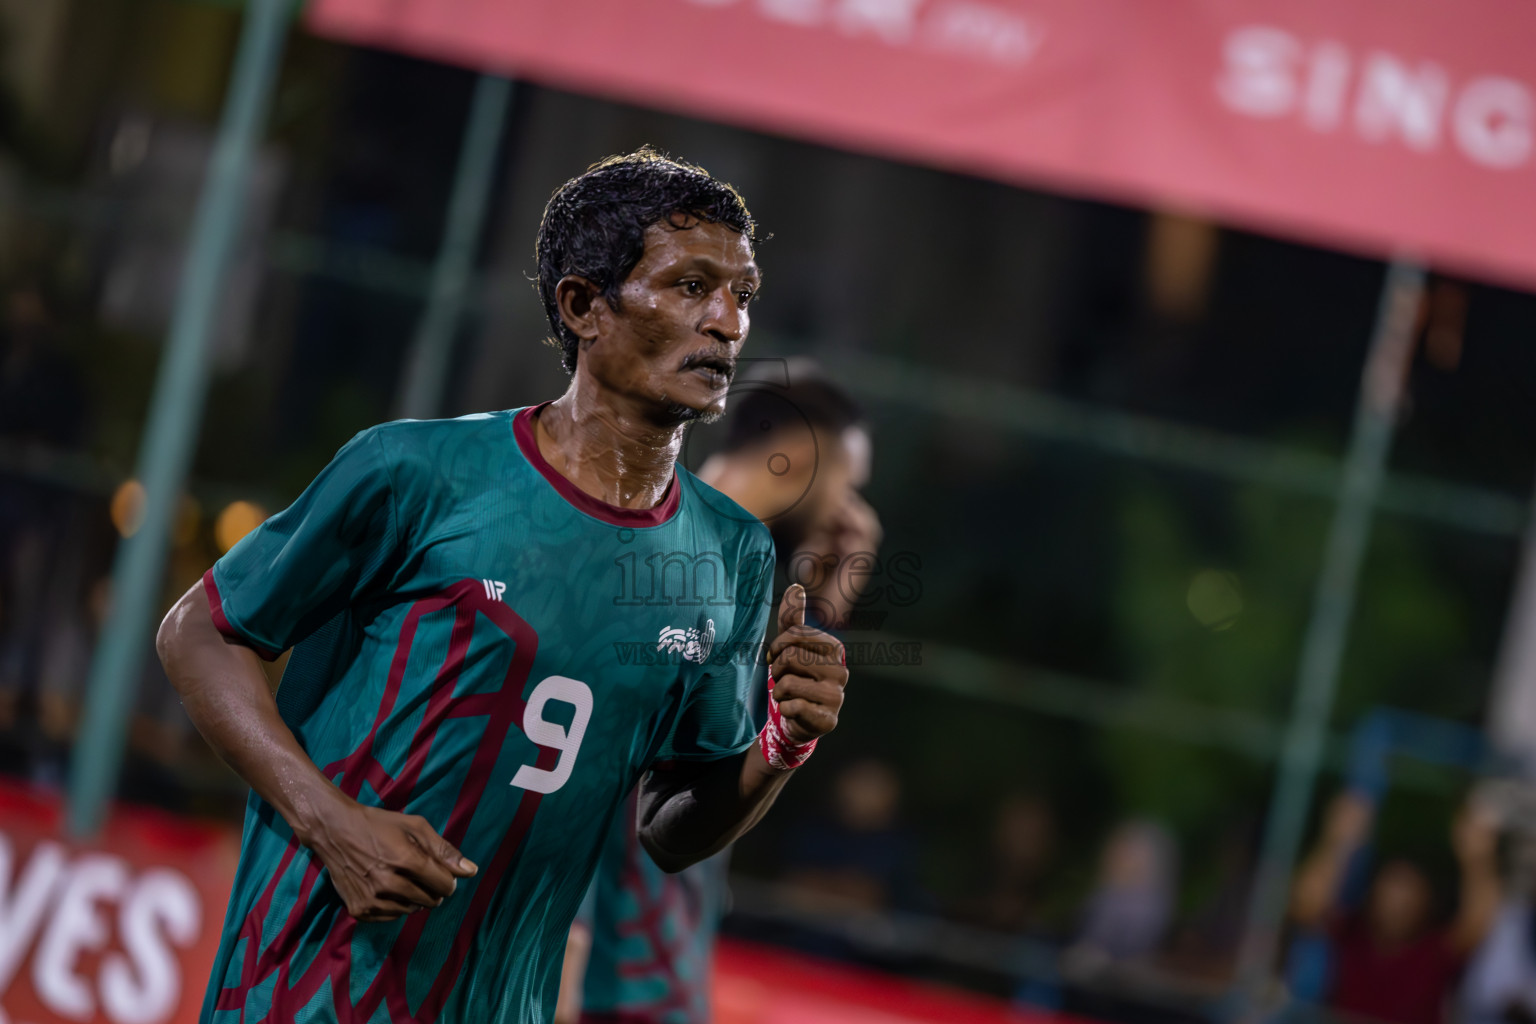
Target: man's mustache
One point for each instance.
(721, 361)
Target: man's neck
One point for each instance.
(607, 448)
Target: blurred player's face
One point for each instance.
(1399, 902)
(1023, 833)
(681, 319)
(813, 474)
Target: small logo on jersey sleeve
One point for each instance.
(692, 644)
(494, 589)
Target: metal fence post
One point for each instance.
(1333, 602)
(426, 369)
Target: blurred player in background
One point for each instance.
(796, 457)
(465, 709)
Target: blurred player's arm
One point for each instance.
(383, 864)
(578, 953)
(1475, 839)
(692, 811)
(573, 974)
(1345, 828)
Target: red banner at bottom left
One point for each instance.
(120, 930)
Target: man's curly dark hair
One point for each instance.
(594, 225)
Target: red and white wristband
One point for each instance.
(780, 754)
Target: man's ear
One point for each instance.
(578, 300)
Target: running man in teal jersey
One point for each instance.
(796, 454)
(500, 625)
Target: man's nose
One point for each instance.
(726, 319)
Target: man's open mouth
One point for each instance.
(719, 369)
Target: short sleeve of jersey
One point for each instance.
(293, 573)
(717, 718)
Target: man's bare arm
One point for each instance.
(383, 864)
(1475, 839)
(573, 974)
(1315, 893)
(692, 812)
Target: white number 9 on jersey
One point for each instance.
(552, 734)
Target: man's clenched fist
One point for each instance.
(808, 670)
(383, 864)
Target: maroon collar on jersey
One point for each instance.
(522, 429)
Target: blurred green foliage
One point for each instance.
(1406, 624)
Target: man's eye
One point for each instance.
(693, 287)
(744, 297)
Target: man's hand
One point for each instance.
(1475, 833)
(1349, 819)
(384, 864)
(692, 811)
(807, 666)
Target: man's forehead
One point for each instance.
(703, 241)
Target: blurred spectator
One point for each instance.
(42, 401)
(157, 731)
(59, 684)
(1205, 946)
(66, 663)
(12, 752)
(10, 684)
(1023, 849)
(41, 397)
(1501, 981)
(862, 858)
(27, 545)
(1500, 986)
(1133, 901)
(1389, 962)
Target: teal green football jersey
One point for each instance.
(478, 642)
(653, 934)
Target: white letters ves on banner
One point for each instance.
(121, 932)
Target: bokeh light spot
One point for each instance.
(238, 519)
(1215, 599)
(127, 508)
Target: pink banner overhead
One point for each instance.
(1373, 125)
